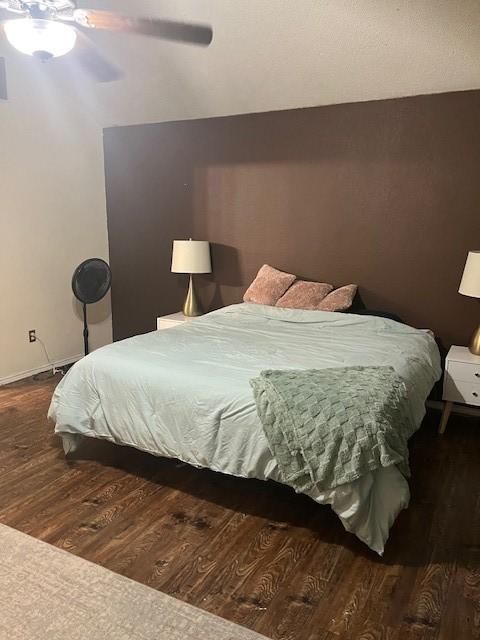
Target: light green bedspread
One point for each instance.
(184, 393)
(332, 426)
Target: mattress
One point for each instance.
(184, 393)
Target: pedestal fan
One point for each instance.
(90, 283)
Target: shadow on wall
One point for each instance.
(97, 313)
(226, 272)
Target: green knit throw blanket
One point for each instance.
(327, 427)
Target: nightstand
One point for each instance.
(172, 320)
(461, 382)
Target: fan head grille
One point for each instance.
(91, 280)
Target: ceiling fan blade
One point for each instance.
(3, 80)
(91, 60)
(153, 27)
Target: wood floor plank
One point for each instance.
(299, 597)
(254, 552)
(258, 592)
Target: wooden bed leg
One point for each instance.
(71, 442)
(445, 416)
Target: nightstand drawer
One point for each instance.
(463, 371)
(461, 391)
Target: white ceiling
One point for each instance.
(279, 54)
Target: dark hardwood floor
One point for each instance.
(249, 551)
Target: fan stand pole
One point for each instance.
(85, 329)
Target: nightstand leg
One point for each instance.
(445, 416)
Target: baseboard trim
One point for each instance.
(33, 372)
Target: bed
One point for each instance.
(185, 393)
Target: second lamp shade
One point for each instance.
(191, 256)
(470, 284)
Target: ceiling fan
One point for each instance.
(48, 29)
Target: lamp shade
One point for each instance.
(191, 256)
(470, 284)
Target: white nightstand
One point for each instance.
(172, 320)
(461, 382)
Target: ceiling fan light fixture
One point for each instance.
(40, 38)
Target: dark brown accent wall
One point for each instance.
(385, 194)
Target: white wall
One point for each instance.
(52, 216)
(279, 54)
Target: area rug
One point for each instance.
(48, 593)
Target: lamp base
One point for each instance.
(192, 306)
(474, 345)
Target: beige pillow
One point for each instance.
(339, 300)
(269, 285)
(304, 295)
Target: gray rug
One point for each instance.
(48, 593)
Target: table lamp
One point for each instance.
(470, 286)
(191, 256)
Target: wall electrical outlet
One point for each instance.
(32, 336)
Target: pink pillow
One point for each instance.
(269, 285)
(339, 300)
(304, 295)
